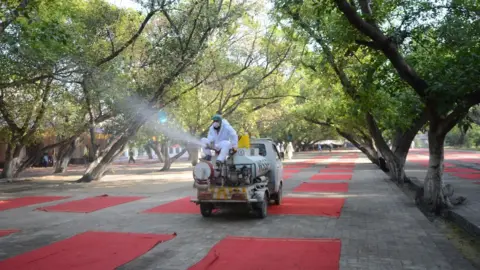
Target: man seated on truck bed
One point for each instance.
(221, 136)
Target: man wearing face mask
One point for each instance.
(221, 136)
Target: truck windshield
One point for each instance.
(261, 148)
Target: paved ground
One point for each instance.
(379, 227)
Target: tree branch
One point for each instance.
(388, 48)
(43, 107)
(460, 111)
(130, 41)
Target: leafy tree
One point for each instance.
(438, 64)
(43, 60)
(174, 47)
(362, 76)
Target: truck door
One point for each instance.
(278, 167)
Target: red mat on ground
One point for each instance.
(180, 206)
(287, 176)
(26, 201)
(330, 170)
(272, 254)
(473, 176)
(342, 164)
(331, 177)
(461, 170)
(291, 170)
(7, 232)
(89, 204)
(295, 166)
(322, 187)
(89, 251)
(330, 207)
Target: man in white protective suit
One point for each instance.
(221, 136)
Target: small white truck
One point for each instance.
(252, 177)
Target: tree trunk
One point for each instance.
(33, 156)
(194, 154)
(433, 184)
(93, 153)
(64, 155)
(395, 161)
(365, 146)
(461, 139)
(168, 162)
(148, 150)
(166, 158)
(12, 161)
(99, 166)
(157, 148)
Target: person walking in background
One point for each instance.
(45, 160)
(289, 150)
(131, 159)
(282, 150)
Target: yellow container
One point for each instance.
(244, 141)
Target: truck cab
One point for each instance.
(268, 149)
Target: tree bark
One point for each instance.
(194, 154)
(365, 146)
(166, 158)
(12, 160)
(157, 148)
(169, 161)
(99, 166)
(64, 155)
(396, 157)
(433, 184)
(148, 150)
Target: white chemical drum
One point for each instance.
(203, 171)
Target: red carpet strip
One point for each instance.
(331, 177)
(89, 205)
(7, 232)
(180, 206)
(461, 170)
(296, 166)
(288, 171)
(26, 201)
(322, 187)
(272, 254)
(330, 207)
(469, 176)
(87, 251)
(336, 170)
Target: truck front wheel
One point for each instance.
(279, 195)
(262, 207)
(206, 209)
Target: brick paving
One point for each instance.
(379, 227)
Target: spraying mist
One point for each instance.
(137, 106)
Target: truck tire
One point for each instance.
(262, 207)
(279, 195)
(206, 209)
